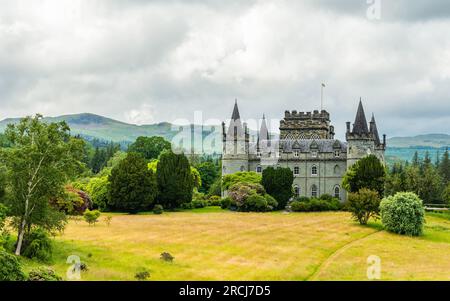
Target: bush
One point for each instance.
(278, 183)
(403, 213)
(326, 197)
(216, 188)
(225, 203)
(214, 201)
(10, 268)
(158, 209)
(363, 205)
(315, 205)
(98, 191)
(302, 199)
(165, 256)
(43, 274)
(255, 203)
(199, 203)
(142, 275)
(240, 177)
(37, 245)
(271, 202)
(91, 217)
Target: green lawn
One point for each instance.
(214, 244)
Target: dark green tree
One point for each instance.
(150, 147)
(175, 183)
(209, 174)
(278, 183)
(133, 186)
(368, 173)
(444, 167)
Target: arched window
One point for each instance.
(296, 171)
(296, 190)
(242, 168)
(314, 170)
(314, 192)
(258, 169)
(337, 192)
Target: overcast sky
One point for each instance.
(150, 61)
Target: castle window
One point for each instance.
(337, 192)
(296, 171)
(258, 169)
(314, 192)
(242, 168)
(296, 154)
(258, 154)
(296, 190)
(337, 154)
(314, 154)
(314, 170)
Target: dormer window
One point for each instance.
(296, 154)
(314, 154)
(337, 153)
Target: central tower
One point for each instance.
(306, 125)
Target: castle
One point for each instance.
(306, 145)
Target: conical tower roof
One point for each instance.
(374, 130)
(360, 125)
(235, 129)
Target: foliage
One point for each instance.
(196, 178)
(97, 188)
(446, 194)
(149, 147)
(209, 173)
(247, 197)
(363, 205)
(38, 245)
(43, 274)
(43, 157)
(91, 217)
(142, 274)
(403, 213)
(240, 177)
(10, 268)
(367, 172)
(278, 183)
(305, 204)
(422, 177)
(101, 155)
(216, 188)
(165, 256)
(158, 209)
(73, 202)
(3, 182)
(175, 181)
(132, 186)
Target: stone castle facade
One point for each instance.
(306, 145)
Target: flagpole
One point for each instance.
(321, 96)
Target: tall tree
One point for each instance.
(42, 158)
(278, 183)
(444, 167)
(149, 147)
(209, 174)
(175, 182)
(367, 172)
(133, 186)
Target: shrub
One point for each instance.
(240, 177)
(216, 188)
(10, 268)
(363, 205)
(43, 274)
(158, 209)
(367, 172)
(187, 206)
(271, 202)
(298, 206)
(165, 256)
(255, 203)
(37, 245)
(403, 213)
(142, 274)
(225, 203)
(214, 200)
(199, 203)
(98, 191)
(91, 217)
(326, 197)
(315, 205)
(302, 199)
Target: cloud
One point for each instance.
(152, 61)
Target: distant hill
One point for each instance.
(429, 140)
(91, 126)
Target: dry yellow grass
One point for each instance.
(224, 245)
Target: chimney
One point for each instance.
(348, 126)
(384, 140)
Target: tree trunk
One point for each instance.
(20, 237)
